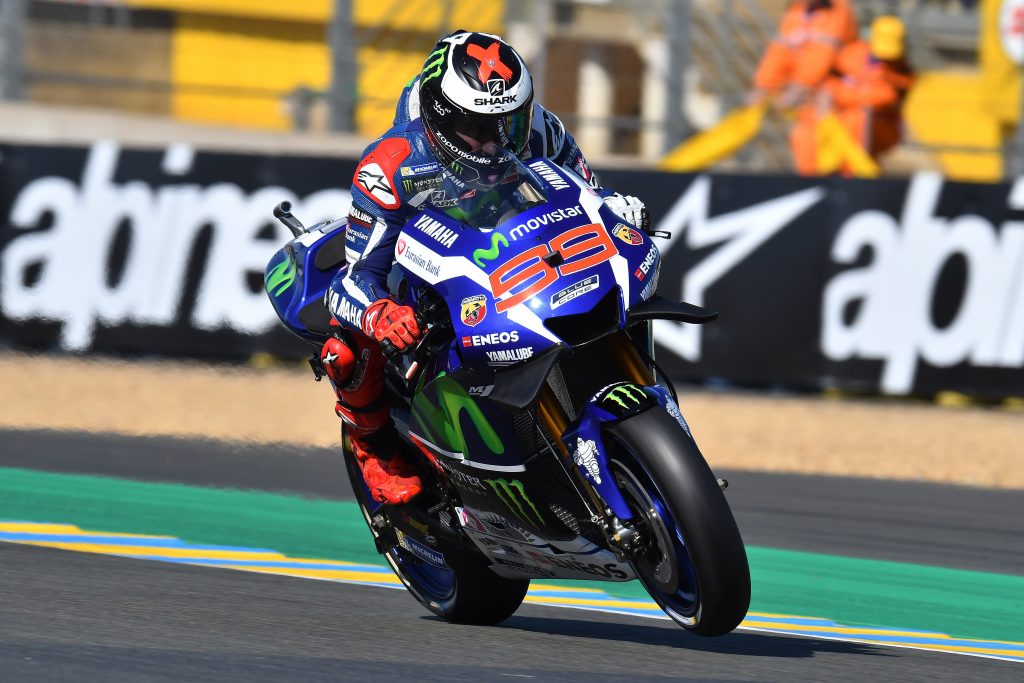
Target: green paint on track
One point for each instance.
(848, 590)
(288, 524)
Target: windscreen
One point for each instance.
(485, 204)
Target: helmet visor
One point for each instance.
(488, 134)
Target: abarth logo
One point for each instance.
(474, 310)
(627, 234)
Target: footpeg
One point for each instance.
(318, 367)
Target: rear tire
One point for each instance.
(468, 592)
(659, 467)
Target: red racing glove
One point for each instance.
(384, 319)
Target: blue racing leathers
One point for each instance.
(398, 175)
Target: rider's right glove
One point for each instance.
(384, 319)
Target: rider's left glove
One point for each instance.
(630, 209)
(384, 319)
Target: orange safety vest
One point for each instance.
(805, 49)
(867, 94)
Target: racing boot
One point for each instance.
(355, 366)
(390, 477)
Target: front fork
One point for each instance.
(630, 364)
(582, 448)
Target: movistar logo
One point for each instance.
(626, 395)
(280, 277)
(513, 495)
(434, 61)
(492, 253)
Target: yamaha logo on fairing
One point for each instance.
(550, 175)
(437, 230)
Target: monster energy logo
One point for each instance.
(513, 495)
(626, 395)
(280, 277)
(492, 253)
(434, 61)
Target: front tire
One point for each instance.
(695, 566)
(467, 592)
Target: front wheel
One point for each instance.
(691, 560)
(465, 591)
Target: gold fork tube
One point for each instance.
(553, 417)
(621, 349)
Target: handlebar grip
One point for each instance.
(390, 351)
(283, 213)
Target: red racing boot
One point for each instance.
(391, 479)
(355, 367)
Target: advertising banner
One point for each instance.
(892, 286)
(896, 286)
(151, 251)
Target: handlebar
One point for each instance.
(394, 355)
(283, 213)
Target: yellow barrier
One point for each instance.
(948, 109)
(315, 11)
(838, 150)
(231, 70)
(235, 61)
(716, 143)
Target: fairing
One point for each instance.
(519, 271)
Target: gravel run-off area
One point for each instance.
(784, 433)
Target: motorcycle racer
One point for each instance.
(455, 125)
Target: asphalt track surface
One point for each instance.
(71, 616)
(77, 617)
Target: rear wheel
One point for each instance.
(692, 560)
(464, 591)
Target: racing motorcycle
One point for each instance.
(546, 447)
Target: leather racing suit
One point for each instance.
(397, 175)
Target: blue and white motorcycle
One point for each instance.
(546, 447)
